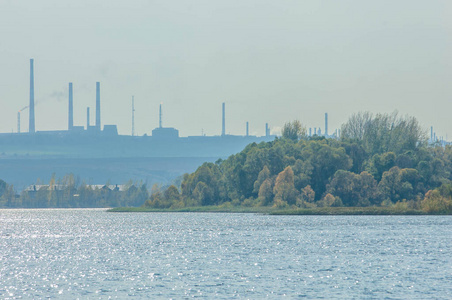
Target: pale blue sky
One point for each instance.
(270, 61)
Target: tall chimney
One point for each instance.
(133, 116)
(87, 118)
(98, 106)
(18, 122)
(160, 116)
(31, 122)
(71, 109)
(247, 129)
(223, 127)
(326, 124)
(266, 130)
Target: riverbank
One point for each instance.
(213, 209)
(275, 211)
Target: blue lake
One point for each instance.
(92, 254)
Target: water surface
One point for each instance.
(91, 254)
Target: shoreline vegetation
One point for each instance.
(380, 164)
(321, 211)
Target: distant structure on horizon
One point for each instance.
(223, 124)
(104, 140)
(98, 106)
(31, 122)
(70, 125)
(133, 116)
(159, 132)
(318, 131)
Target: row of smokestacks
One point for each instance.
(71, 109)
(318, 131)
(223, 123)
(31, 106)
(434, 138)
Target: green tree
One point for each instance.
(302, 173)
(307, 197)
(327, 201)
(353, 189)
(381, 163)
(325, 161)
(263, 175)
(384, 132)
(293, 130)
(266, 192)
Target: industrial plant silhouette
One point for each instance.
(95, 140)
(98, 152)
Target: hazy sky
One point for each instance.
(270, 61)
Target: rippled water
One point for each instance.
(91, 254)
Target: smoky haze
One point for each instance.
(269, 61)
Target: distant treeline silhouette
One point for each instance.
(69, 193)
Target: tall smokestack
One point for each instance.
(326, 124)
(98, 106)
(160, 116)
(266, 130)
(247, 129)
(18, 122)
(31, 122)
(87, 118)
(223, 127)
(71, 109)
(133, 115)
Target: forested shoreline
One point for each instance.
(380, 161)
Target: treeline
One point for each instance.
(381, 160)
(69, 192)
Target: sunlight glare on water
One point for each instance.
(89, 253)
